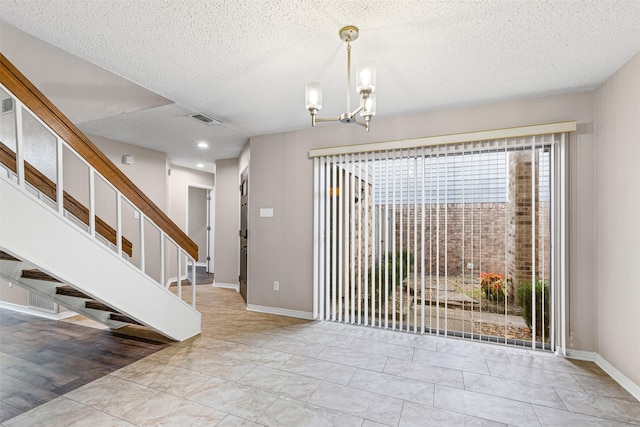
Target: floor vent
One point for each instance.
(42, 303)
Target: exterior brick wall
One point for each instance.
(469, 233)
(520, 267)
(488, 235)
(459, 238)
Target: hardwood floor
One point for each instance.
(42, 359)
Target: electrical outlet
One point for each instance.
(276, 286)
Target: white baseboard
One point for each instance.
(227, 285)
(589, 356)
(612, 371)
(281, 311)
(34, 312)
(175, 279)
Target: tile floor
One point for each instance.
(256, 369)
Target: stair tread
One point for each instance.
(122, 318)
(96, 305)
(71, 292)
(6, 257)
(36, 274)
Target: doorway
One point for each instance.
(244, 235)
(199, 229)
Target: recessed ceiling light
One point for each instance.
(200, 165)
(203, 144)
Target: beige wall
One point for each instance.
(148, 171)
(148, 164)
(179, 182)
(280, 248)
(13, 294)
(618, 212)
(226, 255)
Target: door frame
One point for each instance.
(244, 174)
(210, 219)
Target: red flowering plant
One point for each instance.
(492, 286)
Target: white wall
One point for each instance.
(226, 256)
(280, 248)
(618, 219)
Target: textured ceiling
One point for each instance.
(246, 62)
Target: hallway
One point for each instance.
(257, 369)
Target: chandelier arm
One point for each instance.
(358, 122)
(327, 119)
(356, 111)
(365, 124)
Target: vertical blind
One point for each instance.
(451, 239)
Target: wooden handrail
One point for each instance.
(47, 187)
(35, 100)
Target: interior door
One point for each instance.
(244, 202)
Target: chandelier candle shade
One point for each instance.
(365, 85)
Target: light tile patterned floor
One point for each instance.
(257, 369)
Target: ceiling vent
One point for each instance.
(205, 119)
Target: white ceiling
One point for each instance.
(246, 62)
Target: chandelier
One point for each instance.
(366, 86)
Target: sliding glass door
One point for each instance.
(449, 239)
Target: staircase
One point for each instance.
(56, 246)
(37, 281)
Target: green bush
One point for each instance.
(387, 270)
(524, 298)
